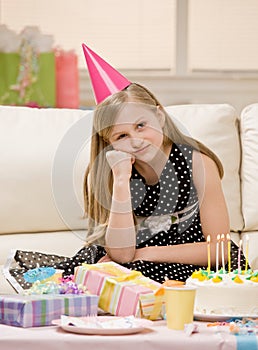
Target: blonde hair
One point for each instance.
(98, 181)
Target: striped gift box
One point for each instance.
(132, 295)
(93, 276)
(121, 291)
(40, 310)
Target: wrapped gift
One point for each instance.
(67, 79)
(27, 67)
(36, 84)
(122, 292)
(93, 275)
(40, 310)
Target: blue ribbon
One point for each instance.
(38, 274)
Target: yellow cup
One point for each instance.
(179, 306)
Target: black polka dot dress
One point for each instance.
(170, 214)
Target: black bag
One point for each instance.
(20, 261)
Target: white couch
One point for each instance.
(44, 153)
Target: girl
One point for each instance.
(152, 194)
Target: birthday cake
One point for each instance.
(225, 293)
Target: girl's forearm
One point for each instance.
(120, 234)
(188, 253)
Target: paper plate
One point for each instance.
(139, 326)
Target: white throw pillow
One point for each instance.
(249, 168)
(39, 182)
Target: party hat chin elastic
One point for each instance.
(105, 79)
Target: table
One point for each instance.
(158, 337)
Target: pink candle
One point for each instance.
(209, 253)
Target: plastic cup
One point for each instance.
(179, 303)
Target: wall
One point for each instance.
(237, 90)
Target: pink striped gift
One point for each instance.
(93, 276)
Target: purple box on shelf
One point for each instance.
(40, 310)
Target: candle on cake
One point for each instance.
(229, 252)
(209, 253)
(217, 253)
(222, 237)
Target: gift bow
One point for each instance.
(108, 268)
(119, 275)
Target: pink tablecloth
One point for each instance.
(157, 337)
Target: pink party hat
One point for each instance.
(105, 79)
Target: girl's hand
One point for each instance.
(120, 162)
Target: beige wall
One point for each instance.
(237, 91)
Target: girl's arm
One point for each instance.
(120, 235)
(214, 219)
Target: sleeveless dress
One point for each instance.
(169, 222)
(168, 214)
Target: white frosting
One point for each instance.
(226, 297)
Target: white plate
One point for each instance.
(217, 317)
(140, 325)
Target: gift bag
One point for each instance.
(20, 261)
(67, 79)
(27, 79)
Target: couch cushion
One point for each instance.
(65, 243)
(5, 286)
(251, 252)
(216, 125)
(249, 168)
(41, 173)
